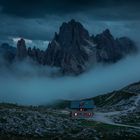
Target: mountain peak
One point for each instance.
(72, 21)
(21, 42)
(71, 34)
(70, 47)
(73, 50)
(107, 32)
(21, 49)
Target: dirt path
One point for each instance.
(103, 117)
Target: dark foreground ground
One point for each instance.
(43, 123)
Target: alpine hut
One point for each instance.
(82, 109)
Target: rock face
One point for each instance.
(126, 45)
(73, 50)
(21, 49)
(7, 52)
(70, 49)
(36, 54)
(111, 50)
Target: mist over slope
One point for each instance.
(31, 80)
(26, 84)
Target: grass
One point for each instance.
(112, 132)
(102, 100)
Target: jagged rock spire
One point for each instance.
(21, 49)
(70, 47)
(72, 33)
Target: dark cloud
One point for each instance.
(44, 28)
(29, 84)
(41, 8)
(35, 8)
(39, 19)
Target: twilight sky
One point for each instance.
(37, 20)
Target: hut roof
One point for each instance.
(87, 104)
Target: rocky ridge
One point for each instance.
(110, 50)
(7, 52)
(73, 50)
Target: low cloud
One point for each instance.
(29, 84)
(32, 43)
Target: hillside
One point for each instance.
(40, 123)
(121, 107)
(117, 116)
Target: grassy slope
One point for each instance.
(112, 98)
(100, 101)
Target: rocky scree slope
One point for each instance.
(122, 106)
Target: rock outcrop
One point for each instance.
(70, 49)
(110, 49)
(73, 50)
(36, 54)
(7, 52)
(21, 49)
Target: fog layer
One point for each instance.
(33, 85)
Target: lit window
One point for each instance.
(75, 114)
